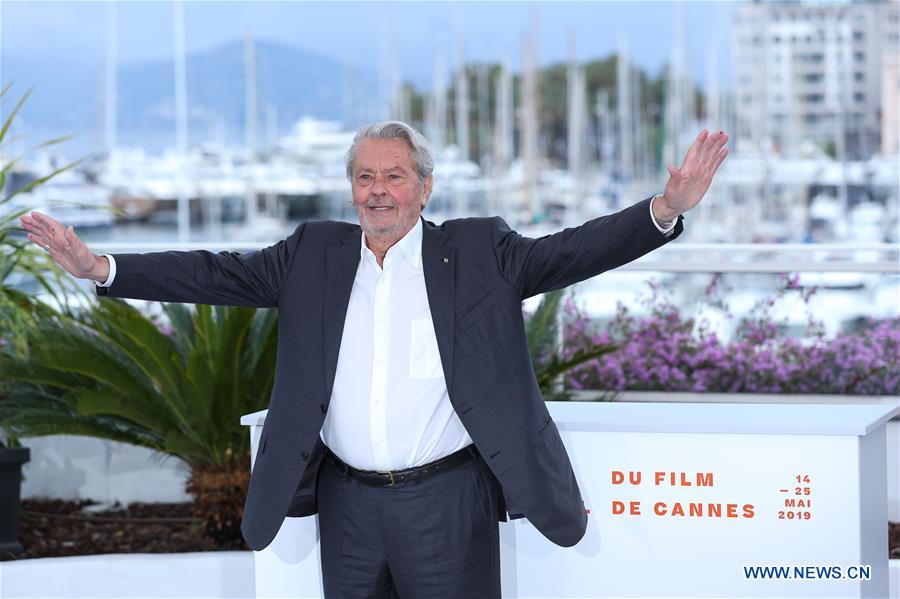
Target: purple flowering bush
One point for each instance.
(670, 351)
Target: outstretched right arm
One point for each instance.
(200, 277)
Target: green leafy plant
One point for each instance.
(18, 256)
(19, 259)
(542, 329)
(178, 389)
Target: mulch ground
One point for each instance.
(55, 528)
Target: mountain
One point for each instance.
(69, 98)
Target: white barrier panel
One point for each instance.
(78, 467)
(688, 500)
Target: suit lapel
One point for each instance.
(341, 262)
(438, 262)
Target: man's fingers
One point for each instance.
(712, 141)
(48, 231)
(701, 137)
(695, 149)
(710, 171)
(69, 234)
(40, 225)
(711, 148)
(719, 158)
(30, 223)
(721, 140)
(39, 216)
(50, 224)
(39, 241)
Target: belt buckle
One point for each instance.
(389, 473)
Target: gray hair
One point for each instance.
(415, 141)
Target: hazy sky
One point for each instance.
(354, 32)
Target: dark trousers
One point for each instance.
(438, 537)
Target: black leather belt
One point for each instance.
(381, 478)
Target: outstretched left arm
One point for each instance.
(534, 266)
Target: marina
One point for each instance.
(726, 400)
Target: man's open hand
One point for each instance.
(65, 247)
(688, 184)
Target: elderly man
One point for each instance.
(405, 411)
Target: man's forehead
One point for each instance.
(383, 154)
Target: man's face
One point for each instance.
(387, 194)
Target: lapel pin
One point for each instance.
(446, 260)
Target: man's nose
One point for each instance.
(378, 187)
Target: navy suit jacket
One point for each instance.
(477, 272)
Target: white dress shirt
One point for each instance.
(389, 406)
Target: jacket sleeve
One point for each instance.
(534, 266)
(225, 278)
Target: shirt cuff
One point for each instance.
(665, 231)
(112, 272)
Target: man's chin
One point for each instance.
(382, 230)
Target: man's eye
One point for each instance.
(365, 177)
(395, 177)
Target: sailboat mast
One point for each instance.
(184, 215)
(462, 109)
(250, 127)
(623, 84)
(481, 93)
(436, 118)
(530, 117)
(111, 115)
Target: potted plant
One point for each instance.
(18, 313)
(178, 388)
(12, 456)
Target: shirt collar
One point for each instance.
(410, 245)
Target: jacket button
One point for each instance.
(304, 456)
(322, 408)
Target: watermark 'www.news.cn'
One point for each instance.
(854, 572)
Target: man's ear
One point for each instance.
(426, 191)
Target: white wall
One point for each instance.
(893, 464)
(76, 467)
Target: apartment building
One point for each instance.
(816, 73)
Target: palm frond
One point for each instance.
(181, 395)
(558, 366)
(9, 119)
(541, 328)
